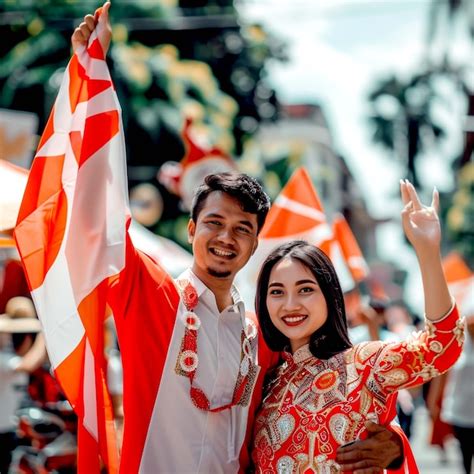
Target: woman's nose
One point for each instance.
(291, 303)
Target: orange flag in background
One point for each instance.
(350, 248)
(460, 281)
(297, 213)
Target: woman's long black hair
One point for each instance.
(332, 337)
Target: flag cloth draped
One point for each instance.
(350, 248)
(70, 235)
(297, 213)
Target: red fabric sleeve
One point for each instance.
(144, 301)
(423, 356)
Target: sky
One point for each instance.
(338, 49)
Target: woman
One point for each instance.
(325, 390)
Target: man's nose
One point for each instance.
(226, 236)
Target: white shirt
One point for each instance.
(458, 400)
(213, 440)
(12, 389)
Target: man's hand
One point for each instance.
(373, 455)
(99, 20)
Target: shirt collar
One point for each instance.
(203, 291)
(301, 355)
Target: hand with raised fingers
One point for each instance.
(420, 223)
(373, 454)
(99, 21)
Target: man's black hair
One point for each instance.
(246, 190)
(332, 337)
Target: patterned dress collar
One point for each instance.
(301, 355)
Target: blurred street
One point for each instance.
(428, 457)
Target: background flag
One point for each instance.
(350, 248)
(297, 213)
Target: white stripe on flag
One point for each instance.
(61, 323)
(357, 261)
(299, 208)
(95, 244)
(345, 278)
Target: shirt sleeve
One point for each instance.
(422, 357)
(127, 295)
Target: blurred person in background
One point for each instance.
(22, 351)
(399, 320)
(458, 400)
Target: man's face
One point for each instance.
(223, 238)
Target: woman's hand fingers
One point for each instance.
(435, 200)
(404, 192)
(417, 206)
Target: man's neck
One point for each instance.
(221, 287)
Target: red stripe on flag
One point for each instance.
(39, 241)
(48, 130)
(69, 375)
(99, 130)
(282, 222)
(44, 181)
(95, 50)
(88, 460)
(81, 86)
(300, 188)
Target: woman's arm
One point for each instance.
(422, 228)
(428, 353)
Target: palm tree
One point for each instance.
(402, 118)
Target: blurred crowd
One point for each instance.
(37, 425)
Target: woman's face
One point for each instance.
(295, 302)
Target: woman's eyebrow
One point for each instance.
(305, 282)
(275, 283)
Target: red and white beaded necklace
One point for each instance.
(188, 360)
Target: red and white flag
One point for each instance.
(70, 235)
(350, 248)
(297, 213)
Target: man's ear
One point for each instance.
(255, 246)
(191, 230)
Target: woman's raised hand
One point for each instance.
(420, 222)
(99, 20)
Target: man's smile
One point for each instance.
(222, 253)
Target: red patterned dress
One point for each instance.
(313, 406)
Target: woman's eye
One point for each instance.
(275, 292)
(306, 289)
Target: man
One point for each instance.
(22, 351)
(193, 362)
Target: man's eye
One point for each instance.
(214, 222)
(243, 229)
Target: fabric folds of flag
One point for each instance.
(70, 235)
(350, 248)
